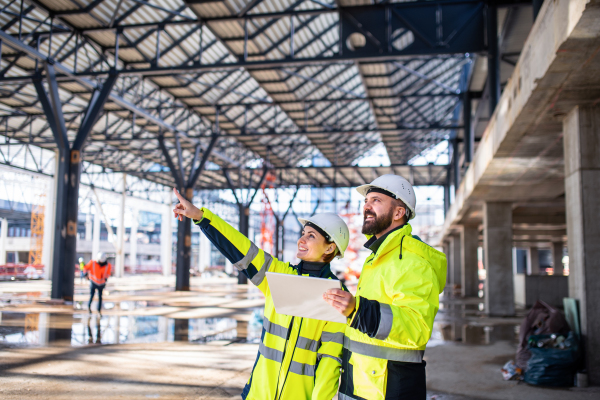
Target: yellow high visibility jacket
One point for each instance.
(405, 276)
(298, 358)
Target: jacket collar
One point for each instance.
(389, 241)
(374, 243)
(325, 271)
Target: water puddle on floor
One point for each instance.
(465, 321)
(79, 329)
(472, 333)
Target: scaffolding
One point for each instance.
(37, 231)
(268, 222)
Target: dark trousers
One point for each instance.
(406, 381)
(93, 288)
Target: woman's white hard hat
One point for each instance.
(334, 226)
(398, 186)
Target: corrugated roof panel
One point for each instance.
(228, 29)
(82, 21)
(166, 81)
(63, 5)
(238, 48)
(265, 75)
(130, 54)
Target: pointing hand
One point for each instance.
(186, 209)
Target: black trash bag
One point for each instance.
(552, 366)
(541, 319)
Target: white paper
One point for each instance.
(302, 296)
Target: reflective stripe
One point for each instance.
(342, 396)
(385, 323)
(327, 355)
(260, 275)
(274, 329)
(307, 344)
(337, 337)
(244, 262)
(386, 353)
(271, 354)
(302, 369)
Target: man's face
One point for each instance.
(378, 213)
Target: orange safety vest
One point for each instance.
(98, 274)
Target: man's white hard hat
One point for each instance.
(101, 257)
(80, 259)
(333, 226)
(396, 185)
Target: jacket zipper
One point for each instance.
(292, 359)
(283, 358)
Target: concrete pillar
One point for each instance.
(43, 329)
(166, 238)
(581, 129)
(96, 228)
(455, 256)
(120, 243)
(3, 236)
(557, 256)
(229, 267)
(497, 244)
(533, 261)
(203, 253)
(88, 225)
(469, 241)
(133, 241)
(446, 248)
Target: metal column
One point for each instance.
(493, 57)
(184, 250)
(68, 176)
(537, 5)
(455, 164)
(186, 189)
(244, 230)
(468, 128)
(244, 210)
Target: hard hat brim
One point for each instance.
(364, 189)
(303, 221)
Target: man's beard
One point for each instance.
(378, 224)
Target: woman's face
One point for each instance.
(312, 246)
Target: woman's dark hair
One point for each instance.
(329, 257)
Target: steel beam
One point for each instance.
(36, 55)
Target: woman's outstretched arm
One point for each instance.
(237, 248)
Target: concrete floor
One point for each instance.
(155, 343)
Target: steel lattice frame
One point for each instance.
(276, 80)
(213, 94)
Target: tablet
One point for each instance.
(302, 296)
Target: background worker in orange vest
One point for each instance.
(98, 273)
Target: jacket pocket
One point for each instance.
(369, 375)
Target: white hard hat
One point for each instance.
(396, 185)
(333, 226)
(101, 257)
(80, 259)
